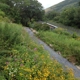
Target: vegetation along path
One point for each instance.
(54, 54)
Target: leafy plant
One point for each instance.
(39, 26)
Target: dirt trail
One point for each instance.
(64, 62)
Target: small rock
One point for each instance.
(78, 67)
(59, 52)
(50, 45)
(34, 31)
(31, 29)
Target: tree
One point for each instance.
(24, 10)
(33, 10)
(3, 6)
(79, 3)
(70, 16)
(52, 14)
(77, 17)
(67, 16)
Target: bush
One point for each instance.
(56, 19)
(74, 35)
(5, 19)
(10, 35)
(61, 31)
(45, 27)
(31, 25)
(2, 13)
(39, 26)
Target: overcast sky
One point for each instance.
(48, 3)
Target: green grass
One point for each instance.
(63, 42)
(22, 59)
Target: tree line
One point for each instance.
(69, 16)
(22, 11)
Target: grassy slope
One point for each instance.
(32, 61)
(62, 5)
(63, 42)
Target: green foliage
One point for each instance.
(69, 16)
(77, 17)
(61, 31)
(3, 17)
(2, 13)
(39, 26)
(22, 11)
(79, 3)
(65, 43)
(25, 59)
(10, 35)
(2, 77)
(4, 6)
(74, 35)
(56, 18)
(51, 15)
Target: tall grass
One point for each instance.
(22, 59)
(10, 34)
(63, 42)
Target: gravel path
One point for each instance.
(54, 54)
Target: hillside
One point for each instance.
(23, 56)
(32, 61)
(60, 6)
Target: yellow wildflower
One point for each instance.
(44, 79)
(27, 69)
(20, 74)
(5, 67)
(62, 77)
(36, 78)
(46, 72)
(39, 73)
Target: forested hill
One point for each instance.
(62, 5)
(21, 11)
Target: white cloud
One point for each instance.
(48, 3)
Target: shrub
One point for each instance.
(45, 27)
(39, 26)
(2, 13)
(10, 35)
(61, 31)
(5, 19)
(74, 35)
